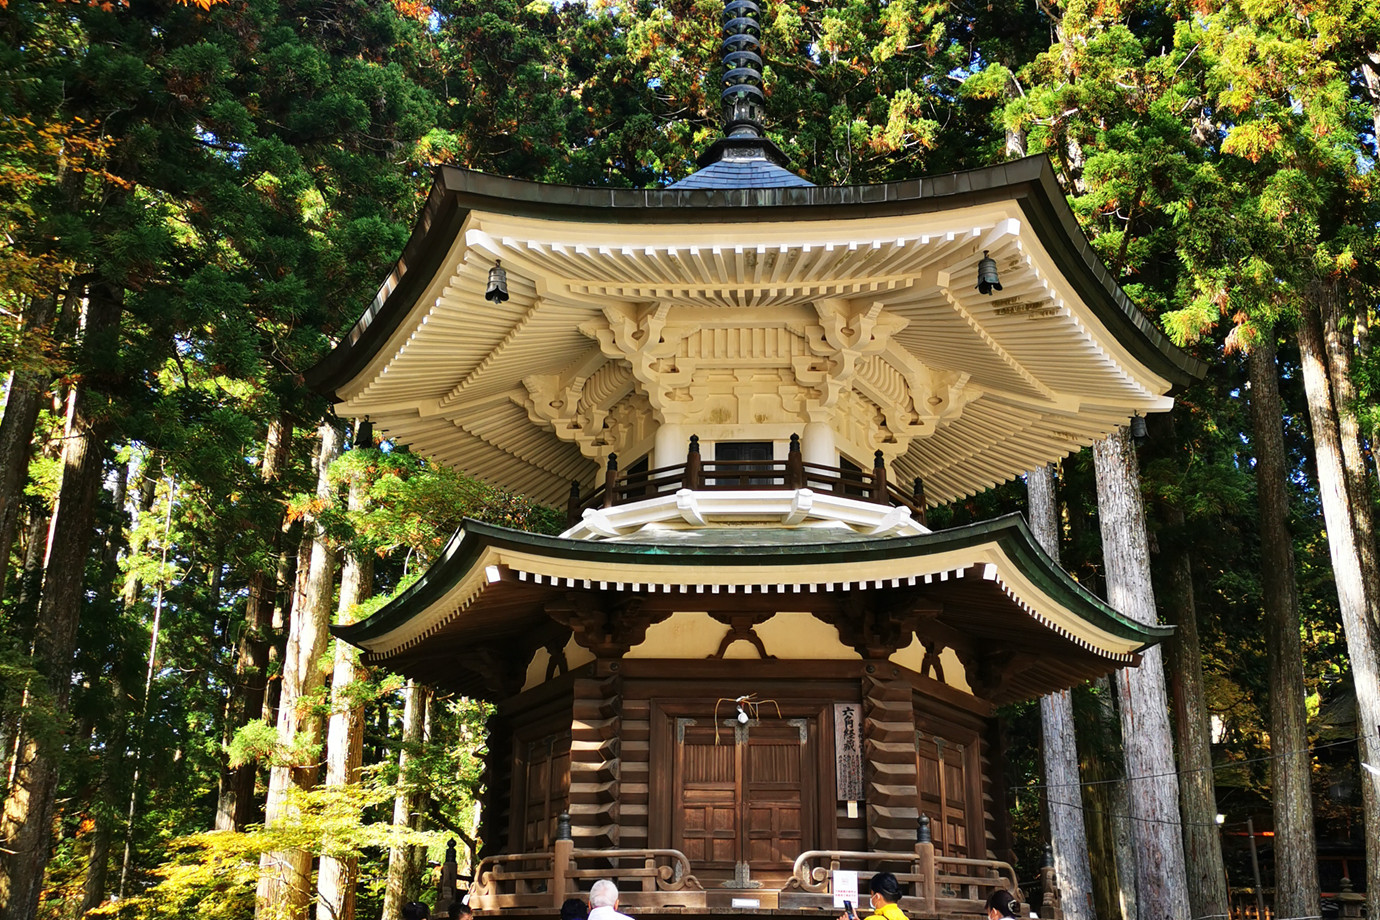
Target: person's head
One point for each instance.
(1001, 903)
(885, 890)
(459, 910)
(416, 910)
(573, 909)
(603, 893)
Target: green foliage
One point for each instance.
(255, 742)
(245, 176)
(214, 874)
(414, 506)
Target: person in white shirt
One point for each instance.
(603, 901)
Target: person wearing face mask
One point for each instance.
(886, 891)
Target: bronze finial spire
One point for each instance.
(743, 157)
(742, 97)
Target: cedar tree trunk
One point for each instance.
(237, 807)
(285, 891)
(336, 878)
(1207, 884)
(405, 804)
(23, 400)
(1063, 786)
(1153, 787)
(27, 823)
(1296, 857)
(1338, 346)
(1352, 593)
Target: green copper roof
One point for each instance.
(1010, 533)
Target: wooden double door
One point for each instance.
(948, 767)
(743, 793)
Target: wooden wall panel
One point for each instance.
(634, 773)
(595, 730)
(997, 820)
(889, 763)
(497, 778)
(541, 788)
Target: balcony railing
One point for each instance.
(621, 487)
(645, 877)
(933, 886)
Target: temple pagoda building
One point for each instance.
(748, 666)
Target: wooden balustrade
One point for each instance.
(934, 885)
(645, 877)
(620, 487)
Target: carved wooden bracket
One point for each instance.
(930, 665)
(606, 625)
(504, 669)
(878, 623)
(990, 671)
(741, 626)
(557, 663)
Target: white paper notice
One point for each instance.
(845, 885)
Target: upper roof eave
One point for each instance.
(1009, 532)
(1030, 181)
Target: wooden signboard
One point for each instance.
(848, 751)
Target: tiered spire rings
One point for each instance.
(742, 97)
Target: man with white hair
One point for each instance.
(603, 902)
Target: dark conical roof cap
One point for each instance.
(743, 157)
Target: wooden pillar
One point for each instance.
(927, 886)
(594, 750)
(818, 444)
(694, 476)
(667, 444)
(889, 760)
(879, 477)
(497, 780)
(562, 884)
(572, 505)
(795, 465)
(611, 482)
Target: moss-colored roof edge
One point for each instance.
(1009, 532)
(1031, 181)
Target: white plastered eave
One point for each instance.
(783, 580)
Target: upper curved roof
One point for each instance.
(634, 309)
(1031, 181)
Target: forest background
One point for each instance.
(196, 198)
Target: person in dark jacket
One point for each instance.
(1001, 904)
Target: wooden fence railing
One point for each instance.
(620, 487)
(935, 886)
(645, 877)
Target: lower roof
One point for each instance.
(986, 590)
